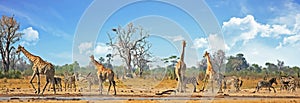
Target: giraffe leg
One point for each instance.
(74, 83)
(32, 77)
(49, 87)
(100, 85)
(47, 82)
(53, 84)
(109, 86)
(204, 83)
(194, 84)
(39, 83)
(60, 86)
(90, 85)
(182, 85)
(178, 85)
(66, 85)
(212, 85)
(114, 84)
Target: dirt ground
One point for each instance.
(140, 91)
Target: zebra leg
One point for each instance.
(273, 89)
(257, 88)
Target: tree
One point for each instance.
(257, 68)
(202, 65)
(108, 61)
(171, 61)
(219, 59)
(101, 60)
(280, 65)
(8, 36)
(127, 41)
(236, 63)
(297, 70)
(271, 67)
(14, 59)
(141, 57)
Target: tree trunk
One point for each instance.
(5, 66)
(140, 71)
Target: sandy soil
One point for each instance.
(140, 90)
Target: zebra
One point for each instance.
(284, 82)
(190, 80)
(57, 82)
(232, 82)
(288, 83)
(268, 84)
(70, 81)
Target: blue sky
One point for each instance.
(262, 30)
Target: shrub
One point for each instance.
(12, 74)
(27, 72)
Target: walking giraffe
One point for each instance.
(39, 67)
(209, 70)
(180, 70)
(103, 74)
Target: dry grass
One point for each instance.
(139, 86)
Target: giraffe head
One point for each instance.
(19, 49)
(92, 57)
(206, 54)
(183, 43)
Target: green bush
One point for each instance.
(12, 74)
(27, 72)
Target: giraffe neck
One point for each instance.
(208, 61)
(182, 54)
(97, 64)
(30, 56)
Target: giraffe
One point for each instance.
(39, 67)
(180, 69)
(103, 74)
(209, 70)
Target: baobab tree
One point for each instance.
(128, 42)
(8, 36)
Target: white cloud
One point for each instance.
(296, 28)
(85, 47)
(216, 42)
(102, 49)
(30, 36)
(200, 43)
(213, 42)
(260, 53)
(175, 38)
(247, 28)
(291, 39)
